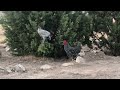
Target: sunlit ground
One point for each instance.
(2, 36)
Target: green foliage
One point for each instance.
(45, 49)
(21, 30)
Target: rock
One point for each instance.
(67, 64)
(82, 53)
(92, 51)
(45, 67)
(95, 50)
(4, 46)
(80, 60)
(7, 48)
(93, 55)
(85, 48)
(105, 50)
(16, 68)
(2, 69)
(19, 68)
(8, 70)
(95, 46)
(34, 61)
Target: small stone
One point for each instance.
(85, 48)
(80, 60)
(7, 48)
(67, 64)
(46, 66)
(19, 68)
(8, 70)
(1, 68)
(82, 53)
(95, 51)
(34, 61)
(3, 45)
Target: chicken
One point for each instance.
(71, 52)
(44, 34)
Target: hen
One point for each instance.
(71, 52)
(44, 34)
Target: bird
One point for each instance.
(71, 52)
(44, 34)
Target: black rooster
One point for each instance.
(71, 52)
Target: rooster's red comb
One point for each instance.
(65, 42)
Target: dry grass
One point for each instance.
(2, 36)
(2, 39)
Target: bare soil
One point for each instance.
(97, 69)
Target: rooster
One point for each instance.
(71, 52)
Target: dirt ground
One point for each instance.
(108, 68)
(98, 69)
